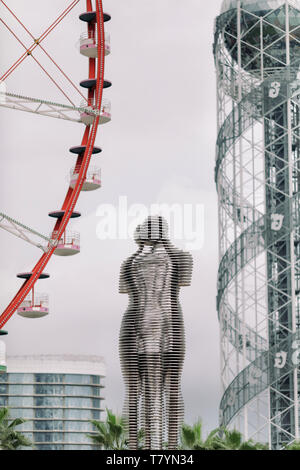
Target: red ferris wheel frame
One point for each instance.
(96, 71)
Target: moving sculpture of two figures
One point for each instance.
(152, 342)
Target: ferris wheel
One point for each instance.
(93, 111)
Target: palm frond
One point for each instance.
(10, 439)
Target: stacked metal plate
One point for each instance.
(152, 341)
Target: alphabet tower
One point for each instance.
(257, 57)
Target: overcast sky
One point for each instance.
(159, 148)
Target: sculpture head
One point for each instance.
(153, 230)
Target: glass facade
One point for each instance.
(58, 407)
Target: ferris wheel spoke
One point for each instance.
(49, 108)
(53, 80)
(63, 73)
(59, 19)
(18, 20)
(29, 53)
(39, 40)
(23, 232)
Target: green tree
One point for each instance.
(294, 446)
(10, 439)
(191, 438)
(111, 434)
(233, 440)
(218, 439)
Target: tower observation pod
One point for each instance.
(257, 57)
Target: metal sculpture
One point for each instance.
(258, 181)
(152, 336)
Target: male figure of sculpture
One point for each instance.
(152, 336)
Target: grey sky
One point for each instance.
(159, 147)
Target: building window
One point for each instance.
(3, 388)
(49, 378)
(95, 380)
(79, 390)
(49, 437)
(52, 425)
(3, 401)
(57, 407)
(49, 413)
(77, 379)
(48, 401)
(49, 389)
(20, 378)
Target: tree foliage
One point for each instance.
(10, 439)
(111, 434)
(218, 439)
(294, 446)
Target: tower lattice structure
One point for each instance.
(257, 56)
